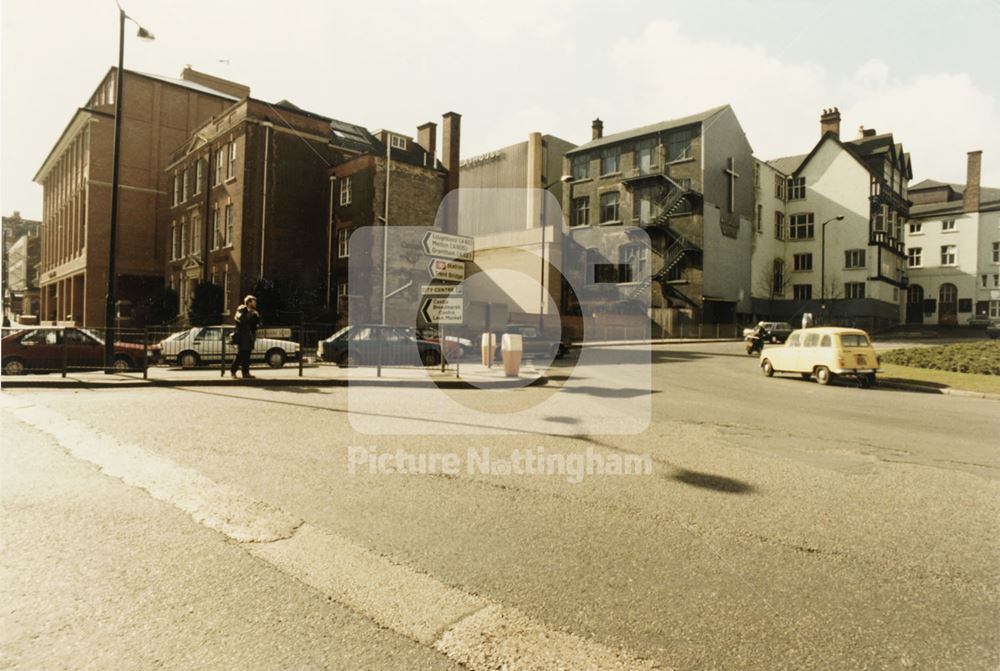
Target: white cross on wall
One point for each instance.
(733, 176)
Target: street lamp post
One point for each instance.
(822, 264)
(109, 308)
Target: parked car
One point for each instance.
(456, 347)
(993, 330)
(534, 343)
(774, 332)
(824, 353)
(363, 344)
(204, 344)
(42, 349)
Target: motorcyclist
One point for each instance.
(756, 339)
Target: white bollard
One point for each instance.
(489, 348)
(511, 347)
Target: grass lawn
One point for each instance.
(988, 384)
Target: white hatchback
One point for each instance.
(204, 344)
(824, 353)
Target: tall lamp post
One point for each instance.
(822, 263)
(109, 308)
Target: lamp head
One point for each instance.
(144, 34)
(840, 217)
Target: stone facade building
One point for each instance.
(20, 266)
(158, 115)
(686, 184)
(953, 251)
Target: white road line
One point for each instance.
(467, 628)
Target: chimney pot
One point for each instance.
(597, 129)
(829, 122)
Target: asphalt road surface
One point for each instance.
(782, 525)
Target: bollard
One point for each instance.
(145, 353)
(488, 349)
(302, 345)
(222, 359)
(65, 352)
(511, 347)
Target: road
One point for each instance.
(783, 525)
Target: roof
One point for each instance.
(650, 129)
(201, 88)
(787, 164)
(989, 198)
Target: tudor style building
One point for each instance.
(685, 182)
(828, 230)
(158, 113)
(953, 251)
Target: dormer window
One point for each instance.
(397, 141)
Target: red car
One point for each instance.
(42, 349)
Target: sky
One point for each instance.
(924, 70)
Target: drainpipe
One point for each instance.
(329, 245)
(263, 199)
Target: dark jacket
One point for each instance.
(247, 321)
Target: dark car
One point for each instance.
(43, 349)
(535, 343)
(774, 332)
(993, 330)
(364, 344)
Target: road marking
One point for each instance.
(469, 629)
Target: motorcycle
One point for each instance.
(755, 344)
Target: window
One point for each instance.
(760, 218)
(779, 187)
(914, 257)
(854, 258)
(854, 289)
(632, 262)
(880, 215)
(186, 185)
(220, 158)
(345, 190)
(796, 188)
(916, 228)
(231, 169)
(342, 248)
(801, 226)
(610, 159)
(826, 341)
(183, 227)
(995, 309)
(679, 146)
(996, 280)
(173, 242)
(996, 252)
(225, 290)
(811, 340)
(756, 174)
(779, 225)
(216, 229)
(854, 340)
(803, 262)
(949, 255)
(229, 225)
(609, 207)
(984, 280)
(802, 292)
(645, 156)
(397, 141)
(199, 175)
(644, 208)
(581, 166)
(778, 278)
(195, 234)
(948, 225)
(580, 213)
(177, 190)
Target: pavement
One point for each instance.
(783, 524)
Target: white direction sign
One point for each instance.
(442, 290)
(447, 270)
(448, 246)
(443, 310)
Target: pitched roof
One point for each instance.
(787, 164)
(650, 129)
(201, 88)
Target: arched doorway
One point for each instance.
(948, 305)
(915, 304)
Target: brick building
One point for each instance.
(249, 201)
(418, 183)
(686, 183)
(158, 115)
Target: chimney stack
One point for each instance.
(971, 197)
(829, 122)
(451, 137)
(597, 129)
(427, 138)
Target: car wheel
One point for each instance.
(276, 358)
(188, 360)
(767, 368)
(867, 380)
(121, 364)
(429, 358)
(822, 374)
(13, 366)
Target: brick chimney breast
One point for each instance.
(427, 137)
(829, 122)
(971, 197)
(597, 129)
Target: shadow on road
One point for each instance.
(716, 483)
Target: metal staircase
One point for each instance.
(680, 247)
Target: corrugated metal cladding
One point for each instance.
(491, 201)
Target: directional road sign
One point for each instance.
(447, 270)
(442, 290)
(442, 310)
(448, 246)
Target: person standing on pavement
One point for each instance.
(247, 321)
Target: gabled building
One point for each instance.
(953, 250)
(158, 114)
(828, 231)
(687, 183)
(248, 201)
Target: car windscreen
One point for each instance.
(853, 340)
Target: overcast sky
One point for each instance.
(923, 69)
